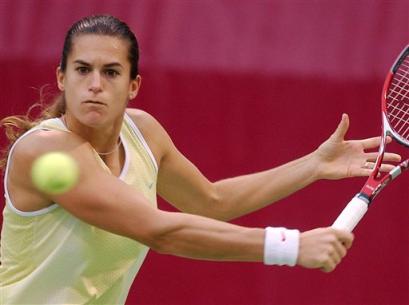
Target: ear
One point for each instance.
(134, 87)
(60, 78)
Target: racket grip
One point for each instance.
(352, 214)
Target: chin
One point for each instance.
(94, 119)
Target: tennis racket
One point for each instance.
(395, 124)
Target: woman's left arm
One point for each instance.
(184, 186)
(336, 158)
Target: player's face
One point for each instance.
(97, 84)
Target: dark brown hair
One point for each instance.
(104, 25)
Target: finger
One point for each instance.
(335, 257)
(342, 127)
(328, 266)
(340, 251)
(392, 157)
(368, 168)
(345, 237)
(388, 157)
(386, 167)
(368, 165)
(371, 142)
(374, 142)
(361, 172)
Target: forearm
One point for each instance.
(198, 237)
(244, 194)
(179, 234)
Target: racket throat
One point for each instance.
(371, 190)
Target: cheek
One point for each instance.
(72, 96)
(70, 93)
(122, 95)
(71, 85)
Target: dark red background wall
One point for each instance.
(242, 86)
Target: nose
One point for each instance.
(95, 82)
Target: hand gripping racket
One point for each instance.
(395, 124)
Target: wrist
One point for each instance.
(281, 246)
(317, 163)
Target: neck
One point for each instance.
(104, 139)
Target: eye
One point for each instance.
(82, 70)
(111, 73)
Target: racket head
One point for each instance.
(395, 100)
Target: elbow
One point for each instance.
(208, 204)
(162, 237)
(217, 206)
(162, 248)
(160, 244)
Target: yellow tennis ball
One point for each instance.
(54, 172)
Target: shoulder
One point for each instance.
(31, 146)
(37, 143)
(151, 129)
(156, 136)
(42, 141)
(143, 120)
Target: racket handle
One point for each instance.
(352, 214)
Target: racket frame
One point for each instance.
(358, 206)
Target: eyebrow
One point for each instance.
(110, 65)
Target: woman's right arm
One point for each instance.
(103, 200)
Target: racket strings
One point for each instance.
(400, 120)
(398, 100)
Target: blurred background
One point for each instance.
(243, 86)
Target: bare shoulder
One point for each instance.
(37, 143)
(154, 133)
(25, 196)
(145, 121)
(42, 141)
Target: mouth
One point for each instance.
(94, 102)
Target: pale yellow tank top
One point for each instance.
(51, 257)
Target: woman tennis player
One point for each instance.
(86, 246)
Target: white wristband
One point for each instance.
(281, 246)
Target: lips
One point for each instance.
(94, 102)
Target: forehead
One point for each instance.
(92, 47)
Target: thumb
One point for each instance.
(342, 128)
